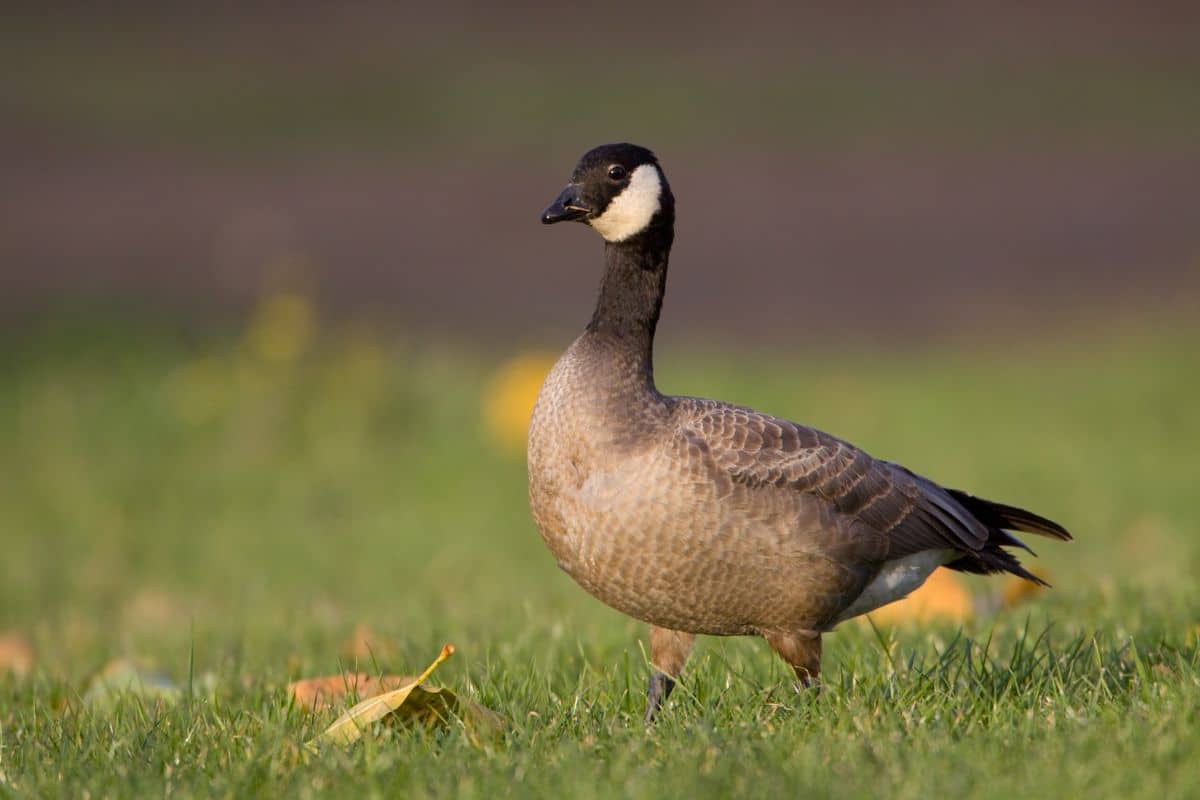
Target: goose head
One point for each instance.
(617, 189)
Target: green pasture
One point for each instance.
(227, 509)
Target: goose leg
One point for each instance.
(802, 651)
(668, 653)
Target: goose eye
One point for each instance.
(616, 172)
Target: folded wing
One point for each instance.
(866, 497)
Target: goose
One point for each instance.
(703, 517)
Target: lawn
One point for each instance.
(227, 509)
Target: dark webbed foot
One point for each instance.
(668, 653)
(807, 683)
(802, 651)
(657, 691)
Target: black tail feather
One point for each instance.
(1006, 539)
(990, 560)
(999, 515)
(999, 519)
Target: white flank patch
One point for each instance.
(631, 211)
(897, 579)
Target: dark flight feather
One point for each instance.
(910, 512)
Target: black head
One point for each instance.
(619, 190)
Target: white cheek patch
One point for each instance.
(631, 211)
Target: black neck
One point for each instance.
(631, 292)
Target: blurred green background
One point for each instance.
(274, 302)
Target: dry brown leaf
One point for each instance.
(412, 703)
(16, 654)
(314, 694)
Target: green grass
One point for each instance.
(232, 519)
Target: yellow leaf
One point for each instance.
(412, 703)
(439, 706)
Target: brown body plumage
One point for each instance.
(701, 517)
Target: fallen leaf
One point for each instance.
(349, 726)
(16, 654)
(941, 597)
(410, 704)
(126, 677)
(313, 694)
(438, 706)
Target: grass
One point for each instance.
(228, 510)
